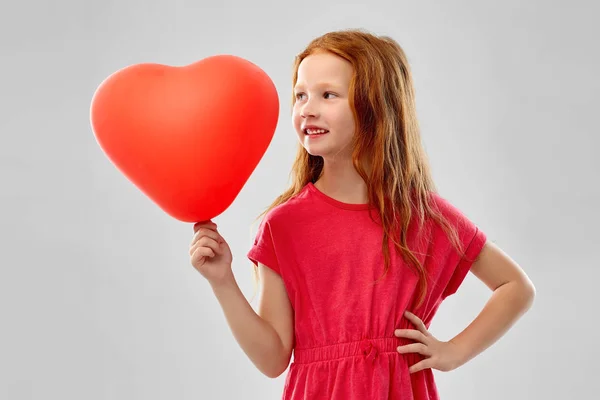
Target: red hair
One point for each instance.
(382, 99)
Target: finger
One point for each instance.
(421, 365)
(202, 232)
(205, 241)
(201, 252)
(204, 224)
(414, 348)
(411, 334)
(416, 322)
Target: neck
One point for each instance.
(341, 181)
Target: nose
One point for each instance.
(308, 109)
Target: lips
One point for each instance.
(314, 130)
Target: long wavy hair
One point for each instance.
(382, 99)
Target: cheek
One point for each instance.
(296, 120)
(295, 114)
(345, 120)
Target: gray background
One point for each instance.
(97, 296)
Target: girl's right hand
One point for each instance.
(210, 254)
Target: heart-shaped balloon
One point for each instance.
(188, 137)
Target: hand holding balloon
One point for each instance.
(210, 254)
(188, 137)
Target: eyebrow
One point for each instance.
(320, 84)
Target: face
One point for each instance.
(321, 94)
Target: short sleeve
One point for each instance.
(263, 248)
(472, 240)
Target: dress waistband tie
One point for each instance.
(369, 349)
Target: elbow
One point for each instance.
(521, 293)
(278, 368)
(274, 372)
(528, 293)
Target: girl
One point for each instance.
(356, 257)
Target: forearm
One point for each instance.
(506, 305)
(257, 338)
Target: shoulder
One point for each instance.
(459, 221)
(278, 222)
(446, 208)
(287, 212)
(440, 203)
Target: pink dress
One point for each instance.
(328, 254)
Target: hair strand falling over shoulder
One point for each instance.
(388, 140)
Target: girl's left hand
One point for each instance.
(443, 356)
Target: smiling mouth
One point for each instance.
(315, 132)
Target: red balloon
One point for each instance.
(188, 137)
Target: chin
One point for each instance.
(320, 152)
(312, 151)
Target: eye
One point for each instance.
(329, 93)
(298, 95)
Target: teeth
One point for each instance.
(315, 131)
